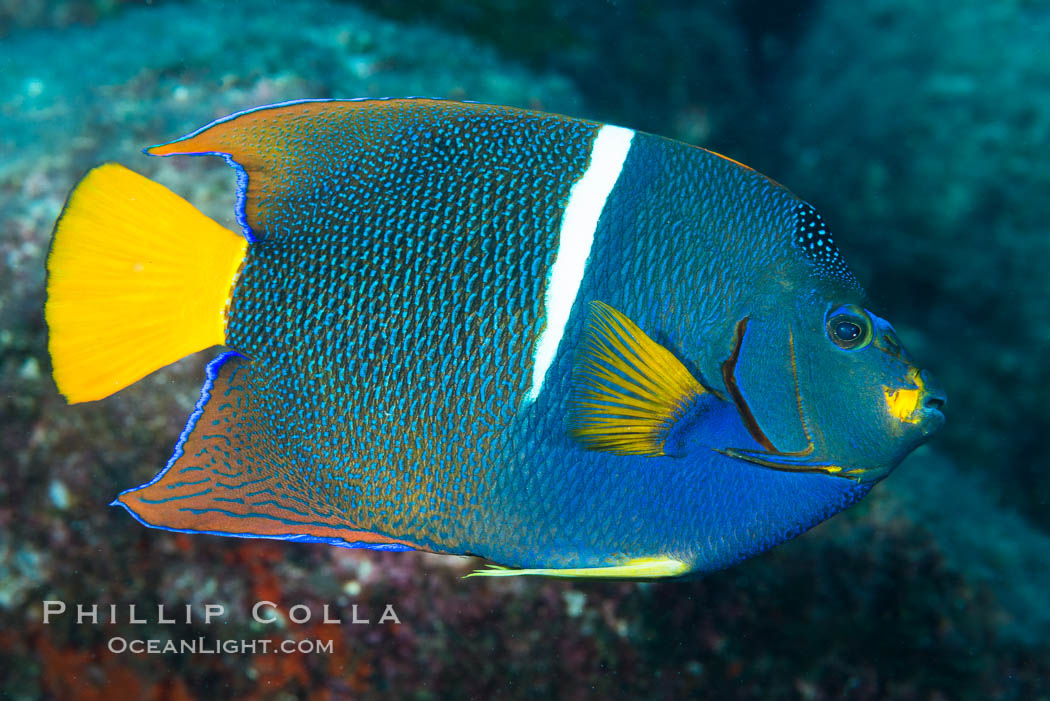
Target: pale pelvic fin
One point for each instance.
(639, 568)
(628, 390)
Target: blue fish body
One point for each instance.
(563, 346)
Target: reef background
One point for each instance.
(920, 130)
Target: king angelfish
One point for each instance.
(570, 348)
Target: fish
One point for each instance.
(570, 348)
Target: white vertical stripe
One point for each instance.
(578, 222)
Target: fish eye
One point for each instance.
(847, 331)
(849, 327)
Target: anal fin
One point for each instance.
(220, 481)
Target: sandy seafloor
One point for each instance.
(921, 130)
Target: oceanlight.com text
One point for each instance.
(215, 646)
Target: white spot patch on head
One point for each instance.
(815, 241)
(578, 223)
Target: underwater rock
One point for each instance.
(918, 572)
(639, 64)
(920, 129)
(992, 547)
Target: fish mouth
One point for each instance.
(928, 415)
(931, 413)
(936, 402)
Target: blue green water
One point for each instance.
(920, 131)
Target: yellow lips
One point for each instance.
(903, 402)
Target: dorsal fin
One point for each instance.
(290, 157)
(628, 390)
(270, 148)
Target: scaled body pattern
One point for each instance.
(571, 348)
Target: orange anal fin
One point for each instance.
(219, 482)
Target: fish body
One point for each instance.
(568, 347)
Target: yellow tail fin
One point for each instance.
(137, 278)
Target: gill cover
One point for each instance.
(761, 377)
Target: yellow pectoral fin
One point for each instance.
(640, 568)
(628, 389)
